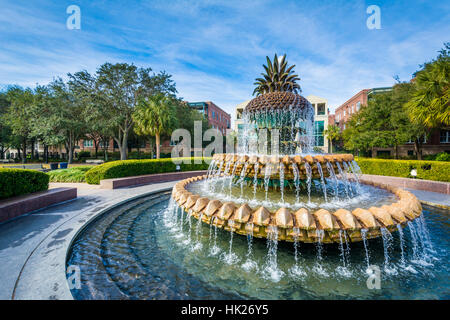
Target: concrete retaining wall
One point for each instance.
(14, 207)
(147, 179)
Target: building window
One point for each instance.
(411, 140)
(102, 145)
(318, 133)
(445, 136)
(358, 106)
(88, 143)
(321, 109)
(213, 115)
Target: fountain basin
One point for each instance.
(303, 225)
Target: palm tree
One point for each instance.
(278, 77)
(155, 116)
(332, 133)
(430, 104)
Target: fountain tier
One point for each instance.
(302, 225)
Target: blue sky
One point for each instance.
(215, 49)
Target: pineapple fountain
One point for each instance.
(290, 193)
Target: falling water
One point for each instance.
(387, 247)
(296, 269)
(255, 180)
(249, 263)
(366, 248)
(344, 176)
(271, 269)
(232, 176)
(322, 181)
(341, 249)
(296, 182)
(424, 230)
(227, 168)
(318, 268)
(214, 249)
(335, 180)
(282, 182)
(267, 173)
(415, 244)
(211, 168)
(242, 178)
(346, 171)
(400, 235)
(355, 176)
(308, 180)
(231, 257)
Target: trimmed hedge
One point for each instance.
(15, 182)
(427, 170)
(129, 168)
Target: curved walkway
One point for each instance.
(33, 247)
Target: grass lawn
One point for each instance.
(73, 174)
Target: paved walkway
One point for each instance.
(33, 247)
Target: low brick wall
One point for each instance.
(147, 179)
(417, 184)
(14, 207)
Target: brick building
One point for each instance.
(217, 118)
(436, 141)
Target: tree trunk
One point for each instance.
(32, 150)
(96, 148)
(418, 149)
(157, 137)
(46, 153)
(331, 146)
(24, 153)
(396, 152)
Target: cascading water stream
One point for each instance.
(232, 177)
(242, 178)
(344, 177)
(282, 182)
(387, 247)
(308, 180)
(255, 180)
(267, 173)
(346, 171)
(271, 269)
(402, 245)
(322, 181)
(249, 263)
(318, 268)
(296, 182)
(335, 180)
(366, 246)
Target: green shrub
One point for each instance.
(443, 156)
(84, 154)
(427, 170)
(129, 168)
(74, 174)
(15, 182)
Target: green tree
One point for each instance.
(19, 115)
(430, 104)
(121, 86)
(68, 107)
(333, 133)
(155, 115)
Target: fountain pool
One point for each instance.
(148, 250)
